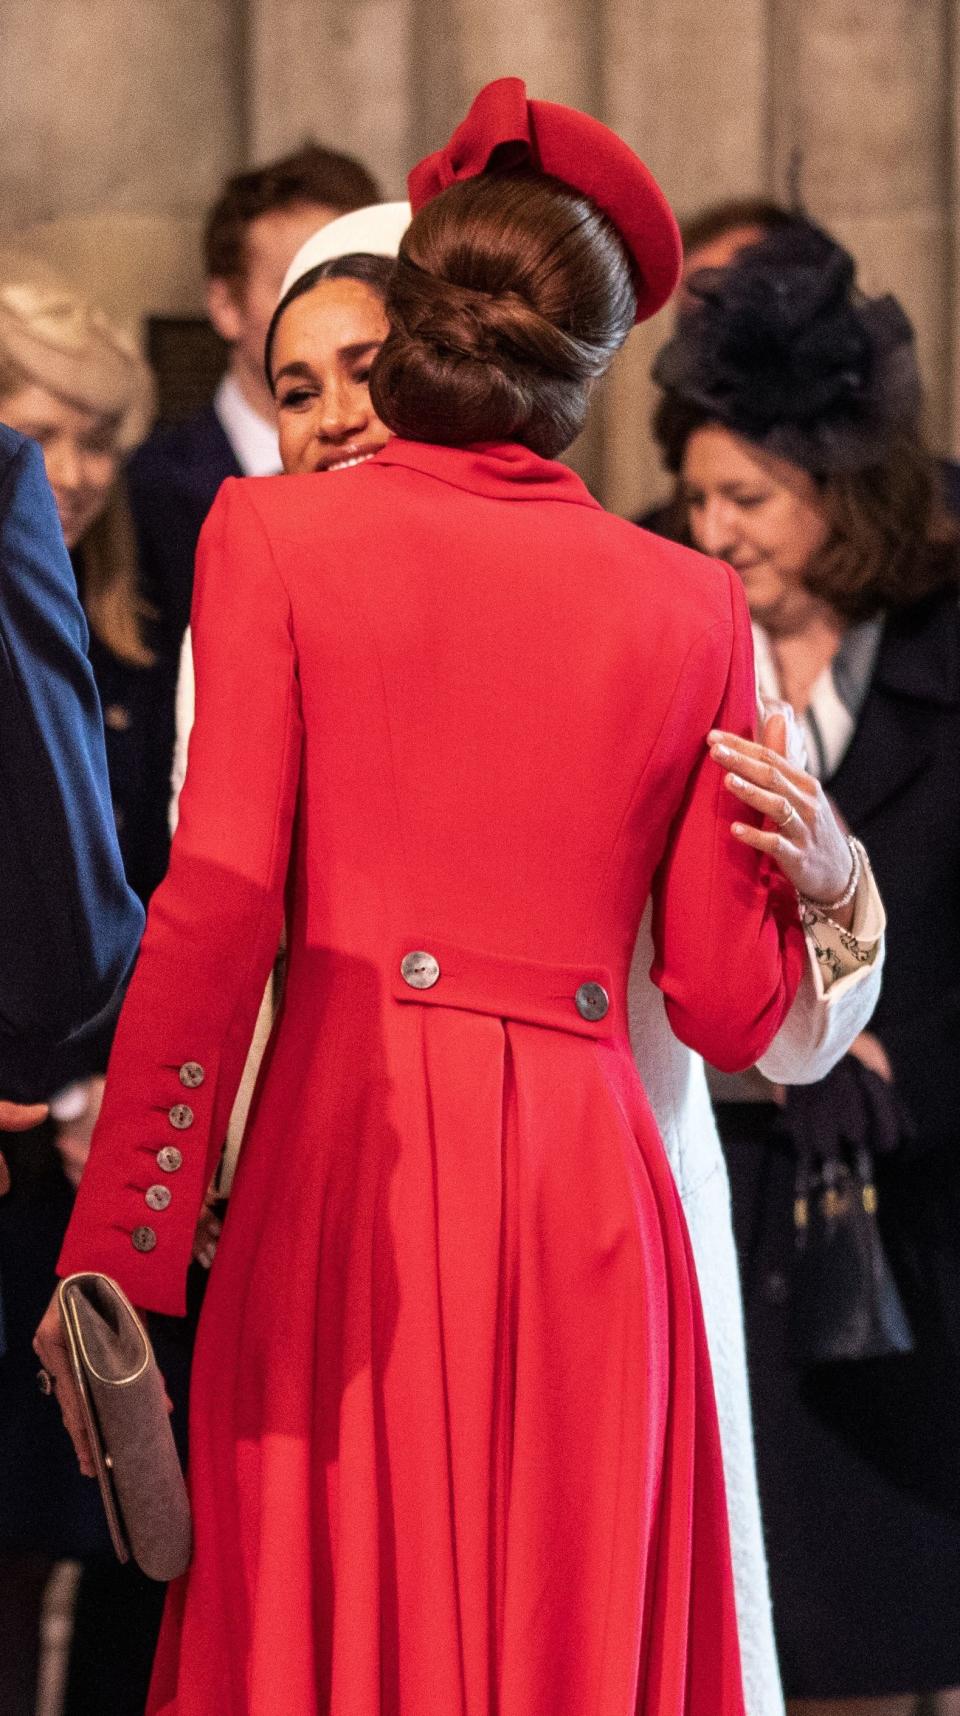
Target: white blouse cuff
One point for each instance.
(837, 967)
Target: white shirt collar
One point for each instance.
(836, 696)
(254, 440)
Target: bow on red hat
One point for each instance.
(504, 131)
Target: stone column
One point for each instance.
(554, 45)
(341, 74)
(117, 125)
(686, 86)
(861, 121)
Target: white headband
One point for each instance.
(373, 231)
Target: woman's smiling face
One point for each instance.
(760, 514)
(324, 346)
(80, 452)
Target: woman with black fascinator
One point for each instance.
(791, 415)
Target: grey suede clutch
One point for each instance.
(124, 1404)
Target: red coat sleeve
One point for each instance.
(729, 948)
(212, 928)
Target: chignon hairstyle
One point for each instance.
(510, 297)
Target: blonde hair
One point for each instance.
(51, 337)
(12, 376)
(115, 606)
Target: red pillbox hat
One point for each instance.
(504, 131)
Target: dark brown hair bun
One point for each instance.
(510, 297)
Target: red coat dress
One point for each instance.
(454, 1449)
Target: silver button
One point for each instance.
(181, 1116)
(592, 1001)
(158, 1197)
(192, 1074)
(420, 970)
(144, 1239)
(169, 1159)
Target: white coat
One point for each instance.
(818, 1030)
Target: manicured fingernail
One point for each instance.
(721, 753)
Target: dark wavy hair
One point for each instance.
(510, 297)
(312, 174)
(782, 349)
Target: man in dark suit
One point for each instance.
(253, 233)
(69, 925)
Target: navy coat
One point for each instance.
(859, 1462)
(172, 482)
(899, 788)
(138, 719)
(69, 924)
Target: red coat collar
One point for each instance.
(504, 470)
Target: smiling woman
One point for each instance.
(760, 514)
(77, 385)
(322, 343)
(791, 417)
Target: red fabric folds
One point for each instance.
(453, 1443)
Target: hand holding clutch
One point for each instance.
(114, 1405)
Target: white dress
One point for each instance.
(819, 1029)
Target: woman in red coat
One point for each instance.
(454, 1447)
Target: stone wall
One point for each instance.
(119, 118)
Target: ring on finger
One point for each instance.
(786, 820)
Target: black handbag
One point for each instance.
(844, 1301)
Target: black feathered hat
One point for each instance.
(783, 348)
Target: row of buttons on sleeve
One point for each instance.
(169, 1158)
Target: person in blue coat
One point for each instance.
(69, 924)
(84, 832)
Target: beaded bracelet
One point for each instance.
(824, 908)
